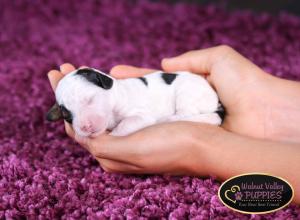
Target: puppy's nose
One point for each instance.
(87, 128)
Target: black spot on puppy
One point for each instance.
(221, 111)
(168, 77)
(95, 77)
(66, 114)
(144, 80)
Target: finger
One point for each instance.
(83, 141)
(121, 149)
(210, 81)
(112, 166)
(66, 68)
(198, 61)
(104, 147)
(54, 76)
(69, 130)
(82, 67)
(126, 71)
(95, 145)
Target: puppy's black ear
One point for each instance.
(105, 81)
(54, 114)
(95, 77)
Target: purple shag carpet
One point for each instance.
(44, 174)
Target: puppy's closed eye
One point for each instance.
(90, 101)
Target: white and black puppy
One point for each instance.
(93, 101)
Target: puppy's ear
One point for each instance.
(98, 78)
(105, 81)
(54, 114)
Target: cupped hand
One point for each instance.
(257, 105)
(164, 148)
(171, 148)
(241, 85)
(182, 147)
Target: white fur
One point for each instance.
(130, 105)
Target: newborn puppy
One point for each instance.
(93, 101)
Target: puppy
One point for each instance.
(94, 102)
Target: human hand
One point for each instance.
(244, 100)
(150, 150)
(138, 153)
(195, 148)
(243, 88)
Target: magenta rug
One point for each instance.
(43, 174)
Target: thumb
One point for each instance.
(199, 61)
